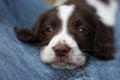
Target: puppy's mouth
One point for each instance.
(63, 65)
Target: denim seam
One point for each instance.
(70, 74)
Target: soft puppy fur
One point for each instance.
(71, 31)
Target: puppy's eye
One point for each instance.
(49, 29)
(83, 30)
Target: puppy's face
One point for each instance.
(67, 35)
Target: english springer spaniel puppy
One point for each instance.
(70, 32)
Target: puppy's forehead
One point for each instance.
(65, 12)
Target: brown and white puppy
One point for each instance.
(69, 32)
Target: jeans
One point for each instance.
(20, 61)
(21, 13)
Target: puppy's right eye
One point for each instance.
(49, 29)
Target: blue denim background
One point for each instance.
(19, 61)
(21, 13)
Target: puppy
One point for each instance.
(70, 32)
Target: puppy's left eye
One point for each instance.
(82, 30)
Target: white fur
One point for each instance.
(107, 12)
(75, 55)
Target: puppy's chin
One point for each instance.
(63, 65)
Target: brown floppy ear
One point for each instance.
(26, 35)
(104, 43)
(30, 36)
(33, 35)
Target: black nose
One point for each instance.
(61, 50)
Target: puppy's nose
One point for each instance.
(61, 50)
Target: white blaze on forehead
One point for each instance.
(107, 12)
(64, 13)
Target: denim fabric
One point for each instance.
(19, 61)
(21, 13)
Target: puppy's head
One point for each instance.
(67, 34)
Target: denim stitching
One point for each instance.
(68, 74)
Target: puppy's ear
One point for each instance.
(26, 35)
(104, 41)
(30, 36)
